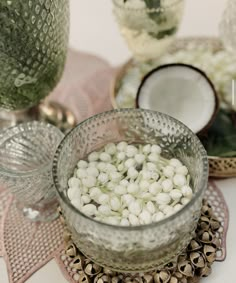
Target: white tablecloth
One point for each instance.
(94, 30)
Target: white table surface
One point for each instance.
(94, 30)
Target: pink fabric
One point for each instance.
(26, 246)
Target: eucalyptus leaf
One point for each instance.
(220, 139)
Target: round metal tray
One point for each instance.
(220, 167)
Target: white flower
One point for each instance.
(155, 188)
(179, 180)
(89, 209)
(124, 183)
(104, 209)
(168, 171)
(82, 164)
(76, 203)
(147, 149)
(131, 151)
(105, 157)
(110, 148)
(81, 173)
(176, 194)
(175, 163)
(115, 176)
(187, 191)
(89, 181)
(95, 192)
(92, 171)
(144, 185)
(110, 168)
(133, 219)
(167, 185)
(124, 222)
(93, 156)
(177, 207)
(121, 156)
(132, 173)
(139, 158)
(153, 157)
(133, 188)
(127, 199)
(158, 216)
(156, 149)
(163, 198)
(184, 200)
(145, 217)
(115, 203)
(73, 193)
(103, 199)
(151, 207)
(74, 182)
(129, 163)
(135, 207)
(121, 146)
(183, 170)
(103, 178)
(102, 166)
(125, 213)
(168, 210)
(86, 199)
(120, 190)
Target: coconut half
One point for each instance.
(181, 91)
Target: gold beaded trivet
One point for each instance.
(194, 263)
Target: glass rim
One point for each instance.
(20, 129)
(202, 185)
(149, 10)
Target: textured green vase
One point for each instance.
(33, 46)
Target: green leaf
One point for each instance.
(220, 140)
(153, 4)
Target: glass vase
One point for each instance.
(148, 26)
(33, 48)
(26, 154)
(137, 248)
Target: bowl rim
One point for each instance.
(10, 132)
(202, 185)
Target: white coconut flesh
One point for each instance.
(180, 91)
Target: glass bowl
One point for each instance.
(148, 27)
(145, 247)
(26, 154)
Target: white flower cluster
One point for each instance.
(125, 185)
(219, 66)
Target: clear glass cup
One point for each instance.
(144, 247)
(148, 26)
(26, 154)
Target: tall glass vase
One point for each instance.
(148, 26)
(227, 26)
(33, 47)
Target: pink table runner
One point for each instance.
(26, 246)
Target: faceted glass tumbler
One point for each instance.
(137, 248)
(26, 155)
(148, 26)
(33, 47)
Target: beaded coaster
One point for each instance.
(195, 262)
